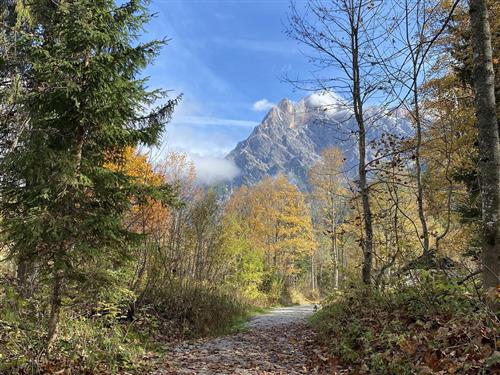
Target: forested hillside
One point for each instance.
(116, 258)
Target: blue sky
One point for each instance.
(224, 56)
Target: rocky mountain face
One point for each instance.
(292, 135)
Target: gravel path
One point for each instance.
(280, 316)
(272, 345)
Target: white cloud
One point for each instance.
(211, 170)
(206, 140)
(205, 120)
(201, 141)
(324, 99)
(262, 105)
(257, 45)
(331, 104)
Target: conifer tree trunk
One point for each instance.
(55, 309)
(22, 275)
(489, 143)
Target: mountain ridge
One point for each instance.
(291, 137)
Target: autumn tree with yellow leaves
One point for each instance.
(280, 228)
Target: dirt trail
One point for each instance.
(272, 345)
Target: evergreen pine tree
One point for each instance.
(61, 206)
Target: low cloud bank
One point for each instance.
(212, 170)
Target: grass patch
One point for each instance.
(239, 323)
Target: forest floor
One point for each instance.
(269, 344)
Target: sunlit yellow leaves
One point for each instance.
(175, 170)
(135, 164)
(279, 220)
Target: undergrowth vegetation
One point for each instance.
(86, 341)
(191, 311)
(102, 338)
(437, 326)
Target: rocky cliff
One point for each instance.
(292, 135)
